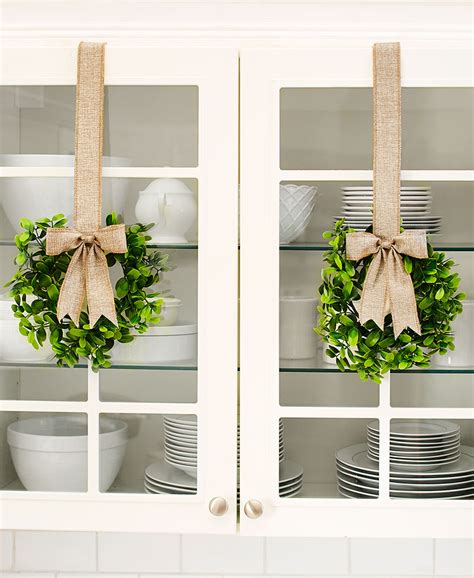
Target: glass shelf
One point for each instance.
(316, 365)
(308, 246)
(189, 246)
(184, 366)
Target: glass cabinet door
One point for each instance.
(151, 441)
(322, 452)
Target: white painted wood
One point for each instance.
(263, 73)
(215, 73)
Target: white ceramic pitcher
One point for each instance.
(171, 205)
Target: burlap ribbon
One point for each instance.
(388, 288)
(87, 276)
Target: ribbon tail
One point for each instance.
(374, 293)
(402, 297)
(100, 295)
(73, 289)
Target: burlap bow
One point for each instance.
(87, 275)
(388, 288)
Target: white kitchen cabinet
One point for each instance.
(306, 118)
(170, 112)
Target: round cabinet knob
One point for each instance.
(253, 509)
(218, 506)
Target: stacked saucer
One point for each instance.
(162, 478)
(415, 208)
(291, 479)
(417, 445)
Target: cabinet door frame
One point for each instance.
(215, 72)
(264, 72)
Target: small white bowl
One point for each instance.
(169, 311)
(50, 452)
(296, 205)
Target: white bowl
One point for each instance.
(39, 197)
(463, 329)
(159, 345)
(296, 205)
(169, 311)
(50, 452)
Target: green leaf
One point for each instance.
(353, 336)
(327, 235)
(121, 287)
(21, 258)
(439, 294)
(347, 289)
(372, 338)
(408, 264)
(53, 293)
(27, 224)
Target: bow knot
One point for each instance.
(87, 276)
(88, 239)
(388, 288)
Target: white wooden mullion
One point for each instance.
(93, 430)
(384, 438)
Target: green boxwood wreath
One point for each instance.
(367, 349)
(35, 288)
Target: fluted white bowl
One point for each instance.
(39, 197)
(296, 205)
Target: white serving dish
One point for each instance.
(159, 345)
(50, 452)
(296, 205)
(39, 197)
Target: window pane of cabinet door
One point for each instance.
(157, 430)
(323, 453)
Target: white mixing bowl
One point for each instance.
(39, 197)
(50, 452)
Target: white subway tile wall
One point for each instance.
(31, 554)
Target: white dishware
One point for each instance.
(296, 205)
(38, 197)
(14, 347)
(159, 345)
(418, 429)
(169, 312)
(171, 205)
(463, 330)
(297, 321)
(50, 452)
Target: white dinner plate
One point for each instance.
(355, 457)
(156, 489)
(416, 429)
(290, 470)
(369, 188)
(426, 445)
(419, 452)
(163, 472)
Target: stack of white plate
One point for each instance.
(358, 477)
(177, 473)
(415, 208)
(162, 478)
(181, 442)
(417, 445)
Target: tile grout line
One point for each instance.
(180, 554)
(349, 556)
(265, 555)
(434, 556)
(96, 551)
(13, 564)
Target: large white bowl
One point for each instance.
(169, 311)
(50, 452)
(39, 197)
(159, 345)
(296, 205)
